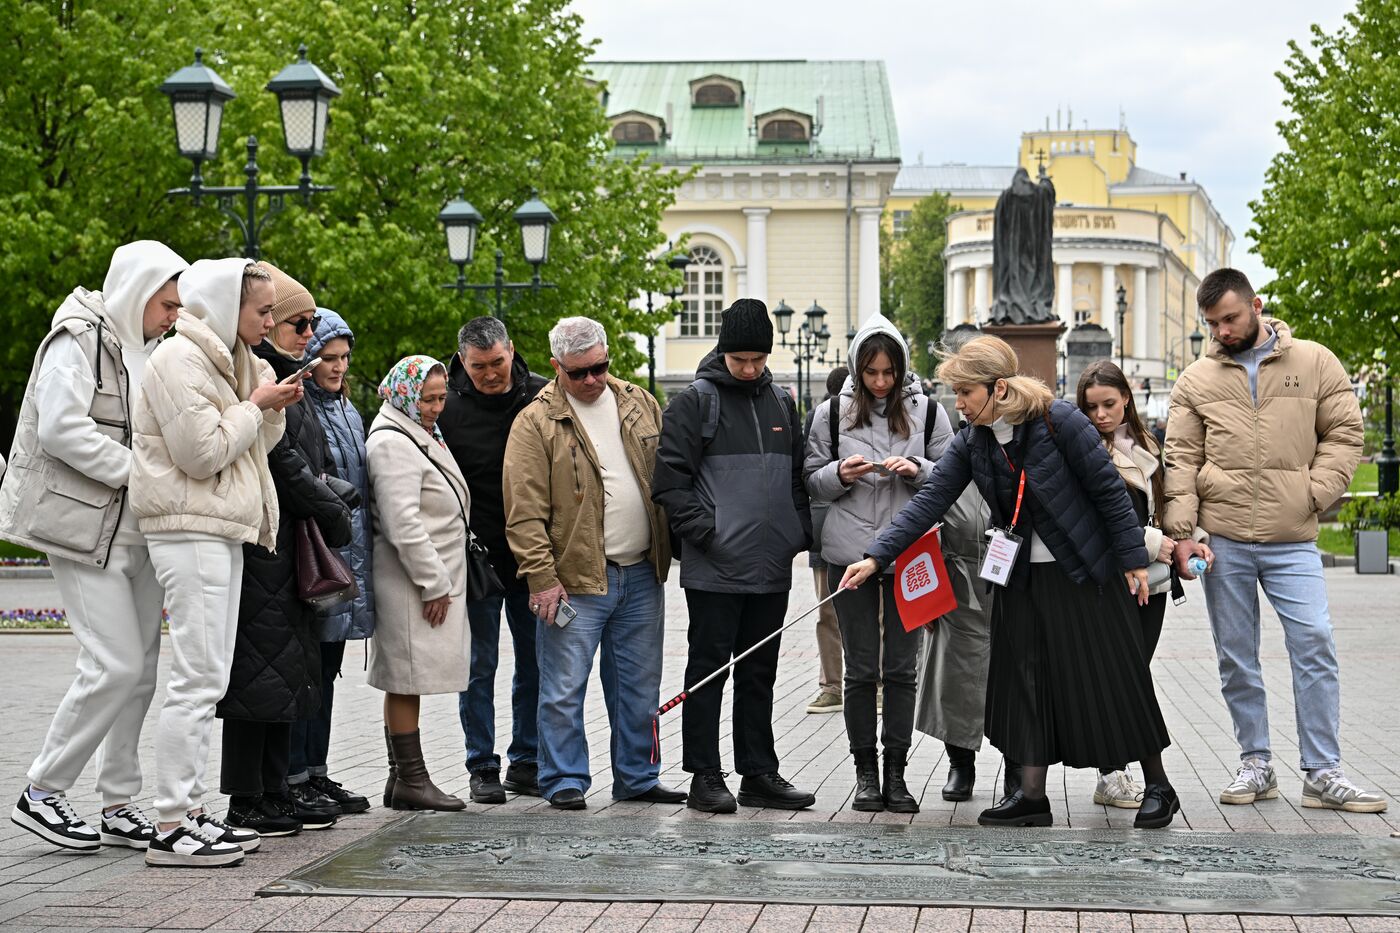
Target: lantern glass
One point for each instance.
(823, 339)
(816, 316)
(534, 239)
(782, 317)
(299, 124)
(197, 126)
(1197, 340)
(461, 243)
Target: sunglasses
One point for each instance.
(303, 324)
(597, 371)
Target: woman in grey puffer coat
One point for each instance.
(885, 421)
(345, 434)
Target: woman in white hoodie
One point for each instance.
(208, 413)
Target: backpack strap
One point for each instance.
(709, 409)
(930, 421)
(834, 416)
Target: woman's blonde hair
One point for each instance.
(983, 361)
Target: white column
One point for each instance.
(741, 283)
(868, 280)
(958, 313)
(981, 293)
(1140, 312)
(1108, 304)
(757, 247)
(1157, 312)
(1064, 293)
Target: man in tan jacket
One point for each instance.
(595, 552)
(1264, 434)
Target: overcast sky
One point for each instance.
(1195, 79)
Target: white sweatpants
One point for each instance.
(114, 612)
(203, 580)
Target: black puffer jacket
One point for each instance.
(277, 658)
(1075, 499)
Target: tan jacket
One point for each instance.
(1260, 472)
(1140, 470)
(554, 490)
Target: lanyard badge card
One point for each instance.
(1003, 545)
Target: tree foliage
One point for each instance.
(1328, 221)
(912, 270)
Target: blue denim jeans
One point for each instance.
(476, 706)
(628, 622)
(1291, 576)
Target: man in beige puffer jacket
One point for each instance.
(1264, 434)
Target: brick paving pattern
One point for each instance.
(41, 889)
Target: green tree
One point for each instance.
(912, 270)
(1328, 221)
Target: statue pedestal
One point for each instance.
(1036, 346)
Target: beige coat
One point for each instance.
(1140, 471)
(420, 554)
(1260, 472)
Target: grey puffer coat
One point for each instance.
(345, 435)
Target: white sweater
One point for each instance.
(626, 524)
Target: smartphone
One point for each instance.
(295, 377)
(565, 614)
(880, 468)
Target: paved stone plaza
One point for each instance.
(43, 890)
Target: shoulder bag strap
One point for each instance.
(461, 507)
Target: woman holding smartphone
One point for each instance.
(868, 452)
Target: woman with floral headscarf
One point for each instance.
(421, 508)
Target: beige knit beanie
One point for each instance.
(293, 300)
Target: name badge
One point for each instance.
(1002, 548)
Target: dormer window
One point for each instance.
(600, 90)
(716, 91)
(635, 128)
(784, 126)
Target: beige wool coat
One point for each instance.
(420, 554)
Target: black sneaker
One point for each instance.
(347, 801)
(307, 797)
(249, 840)
(773, 791)
(486, 786)
(258, 815)
(191, 846)
(53, 820)
(523, 778)
(127, 827)
(709, 794)
(309, 817)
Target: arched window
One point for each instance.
(633, 132)
(716, 95)
(703, 299)
(784, 131)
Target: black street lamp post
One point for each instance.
(1122, 318)
(808, 346)
(1387, 463)
(678, 262)
(461, 222)
(197, 98)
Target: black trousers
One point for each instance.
(311, 738)
(723, 625)
(255, 757)
(861, 613)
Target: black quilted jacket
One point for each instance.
(277, 659)
(1075, 499)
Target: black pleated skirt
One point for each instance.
(1068, 680)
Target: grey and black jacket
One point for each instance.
(736, 501)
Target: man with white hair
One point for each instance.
(594, 552)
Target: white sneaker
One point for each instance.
(127, 827)
(191, 846)
(53, 820)
(1332, 791)
(1118, 789)
(246, 839)
(1254, 781)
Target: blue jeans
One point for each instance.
(311, 738)
(476, 706)
(1291, 575)
(628, 622)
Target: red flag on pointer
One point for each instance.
(922, 590)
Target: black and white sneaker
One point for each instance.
(127, 827)
(191, 846)
(246, 839)
(53, 820)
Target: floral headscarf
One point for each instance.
(403, 387)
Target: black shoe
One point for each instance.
(773, 791)
(1159, 803)
(1017, 810)
(896, 792)
(660, 793)
(1011, 778)
(709, 793)
(486, 786)
(261, 816)
(308, 800)
(309, 817)
(523, 778)
(347, 801)
(960, 781)
(570, 798)
(868, 798)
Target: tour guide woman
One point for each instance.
(1068, 681)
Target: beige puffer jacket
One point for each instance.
(1260, 472)
(200, 451)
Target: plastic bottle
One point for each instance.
(1197, 565)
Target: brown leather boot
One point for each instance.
(413, 788)
(393, 771)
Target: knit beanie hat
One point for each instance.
(746, 328)
(293, 300)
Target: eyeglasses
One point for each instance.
(303, 324)
(597, 371)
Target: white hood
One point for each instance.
(878, 323)
(137, 272)
(212, 291)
